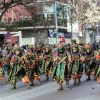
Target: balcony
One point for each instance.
(32, 24)
(62, 22)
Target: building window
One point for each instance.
(21, 17)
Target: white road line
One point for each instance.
(27, 91)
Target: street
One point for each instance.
(58, 37)
(87, 90)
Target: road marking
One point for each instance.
(27, 91)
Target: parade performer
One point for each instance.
(74, 42)
(68, 48)
(17, 71)
(68, 54)
(39, 57)
(2, 75)
(60, 71)
(97, 69)
(68, 51)
(47, 63)
(8, 58)
(82, 53)
(33, 69)
(82, 48)
(55, 64)
(90, 63)
(76, 69)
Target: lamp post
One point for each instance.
(39, 36)
(55, 17)
(71, 23)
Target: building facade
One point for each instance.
(53, 22)
(15, 14)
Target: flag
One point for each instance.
(63, 39)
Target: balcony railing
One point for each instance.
(33, 23)
(62, 22)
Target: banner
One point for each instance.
(8, 35)
(59, 34)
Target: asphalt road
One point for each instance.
(87, 90)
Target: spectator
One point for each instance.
(35, 45)
(24, 48)
(54, 46)
(97, 46)
(42, 44)
(17, 44)
(42, 48)
(4, 55)
(13, 44)
(4, 52)
(94, 45)
(27, 47)
(0, 53)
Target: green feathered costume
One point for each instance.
(47, 63)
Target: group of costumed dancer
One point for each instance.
(65, 62)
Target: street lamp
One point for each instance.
(39, 36)
(55, 17)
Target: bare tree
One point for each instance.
(7, 4)
(83, 11)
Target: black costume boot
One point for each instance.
(74, 82)
(67, 83)
(60, 87)
(39, 82)
(88, 79)
(79, 81)
(27, 85)
(94, 78)
(47, 77)
(13, 87)
(32, 84)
